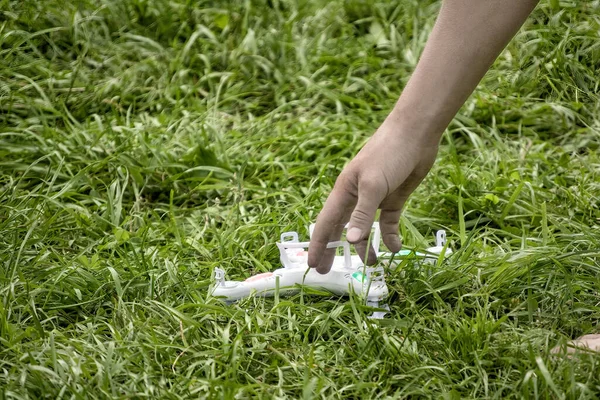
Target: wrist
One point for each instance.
(415, 123)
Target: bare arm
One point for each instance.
(466, 39)
(468, 36)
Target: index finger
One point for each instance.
(328, 228)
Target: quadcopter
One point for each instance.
(348, 273)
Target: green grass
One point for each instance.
(143, 143)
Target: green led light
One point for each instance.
(358, 276)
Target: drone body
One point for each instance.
(348, 273)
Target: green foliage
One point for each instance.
(143, 143)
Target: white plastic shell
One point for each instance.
(348, 273)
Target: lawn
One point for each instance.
(145, 142)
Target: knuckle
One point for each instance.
(389, 228)
(347, 182)
(360, 216)
(372, 183)
(389, 220)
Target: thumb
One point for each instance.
(361, 220)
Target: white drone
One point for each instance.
(348, 273)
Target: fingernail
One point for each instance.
(353, 235)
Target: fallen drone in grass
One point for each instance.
(348, 273)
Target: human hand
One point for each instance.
(465, 41)
(381, 176)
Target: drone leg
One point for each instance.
(219, 276)
(377, 314)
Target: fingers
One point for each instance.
(389, 220)
(329, 226)
(361, 249)
(327, 255)
(341, 205)
(391, 207)
(361, 220)
(388, 223)
(361, 189)
(370, 196)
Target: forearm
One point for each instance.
(466, 39)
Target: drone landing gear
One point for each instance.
(378, 314)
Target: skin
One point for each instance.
(466, 39)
